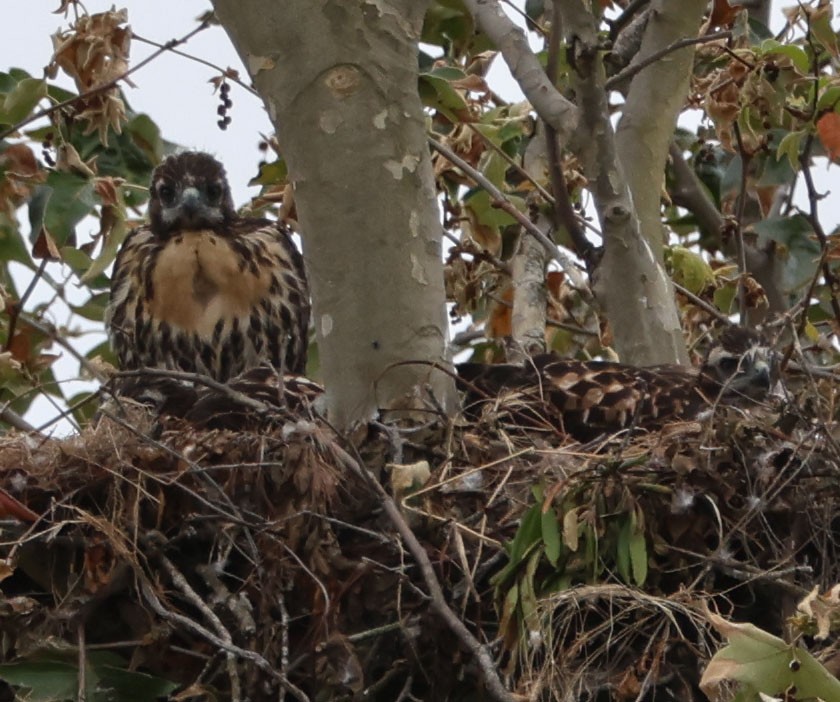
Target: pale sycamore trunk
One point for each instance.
(339, 81)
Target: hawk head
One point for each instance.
(189, 191)
(741, 365)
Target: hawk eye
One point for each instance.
(214, 192)
(166, 193)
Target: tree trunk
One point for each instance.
(654, 100)
(630, 280)
(339, 81)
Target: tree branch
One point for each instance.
(499, 200)
(647, 331)
(511, 41)
(47, 111)
(564, 213)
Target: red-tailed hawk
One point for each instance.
(586, 398)
(203, 290)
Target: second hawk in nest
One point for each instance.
(203, 290)
(587, 398)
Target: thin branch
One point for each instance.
(47, 111)
(635, 68)
(154, 602)
(511, 41)
(575, 277)
(18, 306)
(57, 338)
(200, 379)
(13, 419)
(813, 219)
(564, 213)
(627, 16)
(740, 250)
(197, 59)
(813, 197)
(702, 304)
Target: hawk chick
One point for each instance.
(586, 398)
(203, 290)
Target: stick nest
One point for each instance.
(219, 564)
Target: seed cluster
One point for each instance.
(225, 104)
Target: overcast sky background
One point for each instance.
(176, 93)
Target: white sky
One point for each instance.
(176, 93)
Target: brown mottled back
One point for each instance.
(586, 398)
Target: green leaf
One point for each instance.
(638, 556)
(622, 551)
(795, 53)
(774, 169)
(12, 245)
(829, 99)
(790, 146)
(529, 532)
(94, 308)
(528, 594)
(20, 102)
(493, 166)
(107, 680)
(765, 664)
(438, 94)
(271, 173)
(821, 29)
(690, 269)
(107, 255)
(509, 608)
(480, 203)
(46, 681)
(146, 136)
(551, 535)
(447, 73)
(724, 297)
(130, 686)
(77, 259)
(60, 204)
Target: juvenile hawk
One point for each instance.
(203, 290)
(586, 398)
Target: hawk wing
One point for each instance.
(209, 302)
(585, 398)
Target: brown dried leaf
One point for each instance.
(69, 161)
(107, 188)
(828, 127)
(499, 320)
(94, 52)
(45, 247)
(723, 14)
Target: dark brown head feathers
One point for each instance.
(189, 191)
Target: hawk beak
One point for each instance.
(191, 201)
